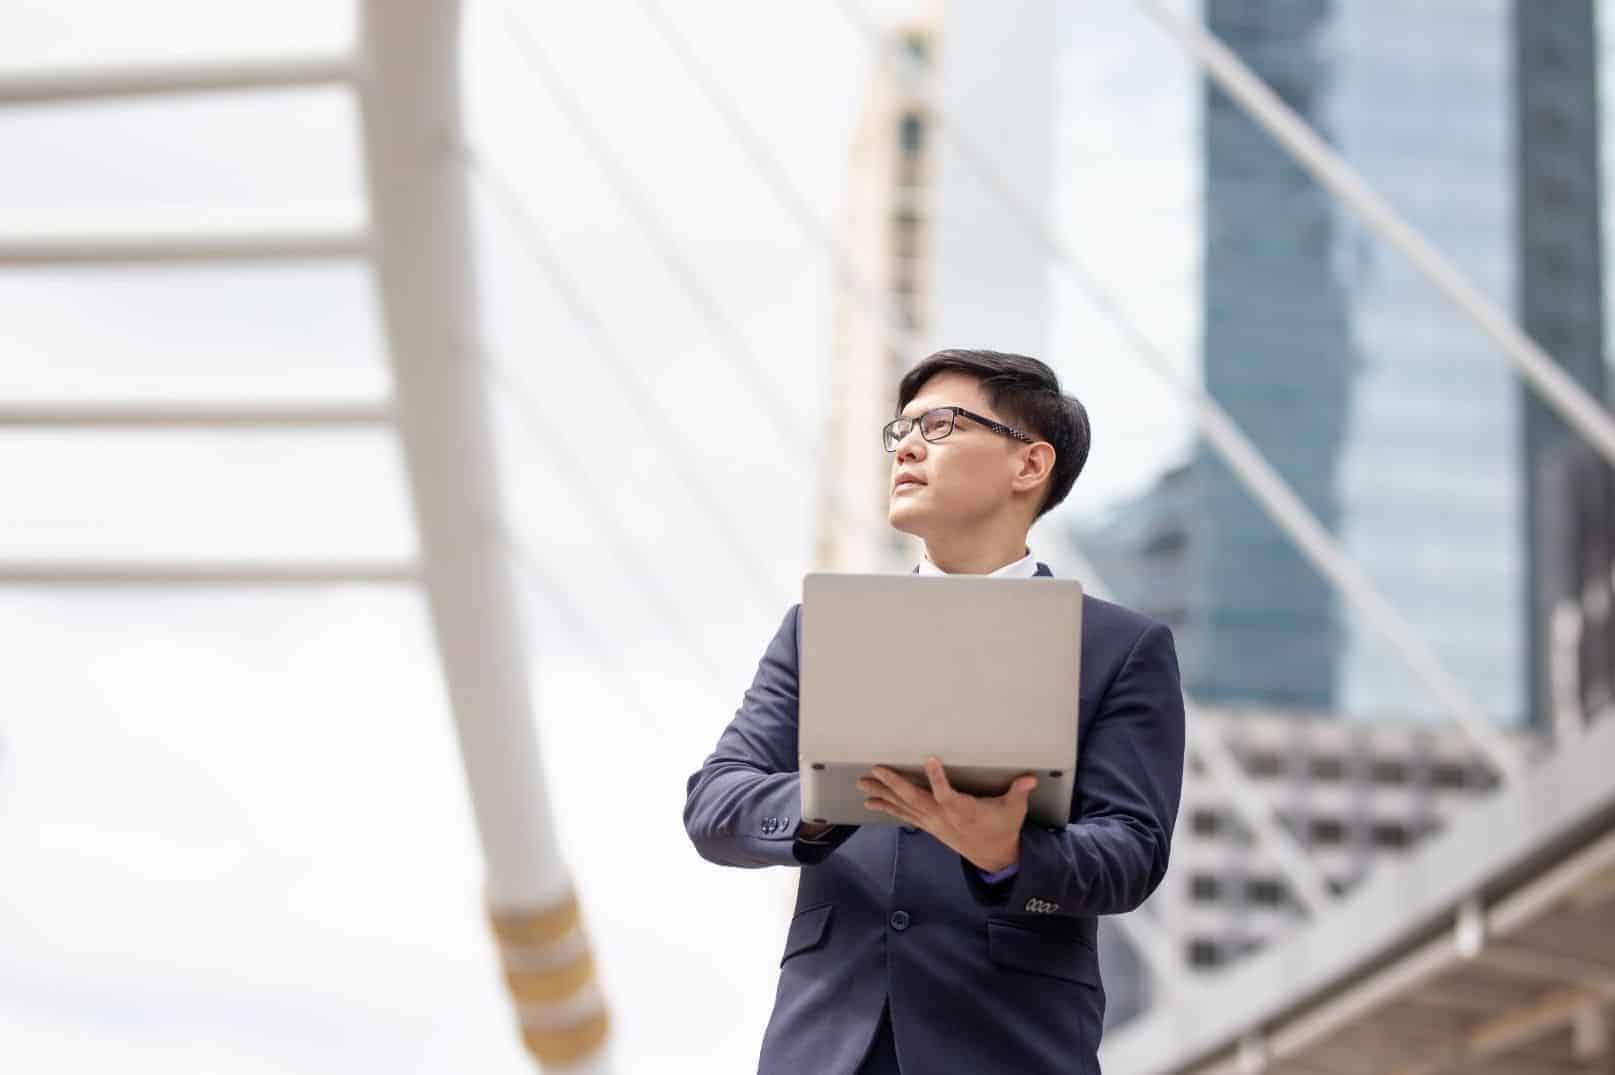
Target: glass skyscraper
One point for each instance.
(1279, 356)
(1396, 421)
(1433, 466)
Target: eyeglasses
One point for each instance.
(937, 423)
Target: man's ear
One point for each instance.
(1036, 465)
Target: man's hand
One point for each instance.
(986, 832)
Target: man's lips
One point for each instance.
(906, 481)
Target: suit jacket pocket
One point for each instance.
(1035, 952)
(808, 930)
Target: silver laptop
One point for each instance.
(981, 672)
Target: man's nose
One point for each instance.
(912, 446)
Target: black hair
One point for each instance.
(1026, 394)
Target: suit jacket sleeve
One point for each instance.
(741, 805)
(1129, 779)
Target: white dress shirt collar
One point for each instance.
(1024, 568)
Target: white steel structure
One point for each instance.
(410, 98)
(1492, 950)
(405, 73)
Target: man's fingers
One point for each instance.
(939, 781)
(887, 806)
(1024, 785)
(897, 785)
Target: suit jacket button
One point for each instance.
(910, 829)
(899, 920)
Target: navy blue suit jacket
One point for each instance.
(979, 977)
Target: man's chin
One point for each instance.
(903, 517)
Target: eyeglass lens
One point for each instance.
(934, 425)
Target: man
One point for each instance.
(962, 939)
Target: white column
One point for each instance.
(409, 89)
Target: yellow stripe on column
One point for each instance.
(567, 1044)
(553, 984)
(537, 928)
(550, 973)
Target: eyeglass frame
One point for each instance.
(917, 422)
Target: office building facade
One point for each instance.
(888, 233)
(1279, 356)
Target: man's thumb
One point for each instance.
(1023, 786)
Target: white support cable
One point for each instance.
(651, 583)
(1248, 465)
(887, 315)
(543, 257)
(779, 179)
(795, 437)
(1224, 67)
(189, 573)
(211, 244)
(63, 85)
(202, 415)
(554, 596)
(633, 195)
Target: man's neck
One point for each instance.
(974, 558)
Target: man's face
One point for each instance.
(958, 482)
